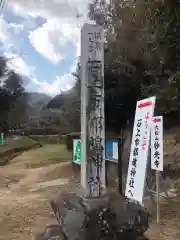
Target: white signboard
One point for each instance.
(157, 143)
(115, 150)
(139, 149)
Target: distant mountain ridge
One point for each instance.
(30, 107)
(38, 99)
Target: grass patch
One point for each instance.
(49, 139)
(12, 148)
(49, 154)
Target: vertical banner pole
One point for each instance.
(157, 155)
(120, 165)
(139, 149)
(158, 195)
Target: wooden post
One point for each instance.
(120, 170)
(106, 171)
(157, 192)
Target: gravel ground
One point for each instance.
(24, 195)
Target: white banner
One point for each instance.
(139, 149)
(157, 143)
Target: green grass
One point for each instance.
(49, 154)
(12, 144)
(49, 139)
(46, 155)
(12, 148)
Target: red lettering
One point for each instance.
(147, 116)
(144, 143)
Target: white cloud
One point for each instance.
(48, 9)
(52, 40)
(61, 27)
(3, 30)
(18, 64)
(7, 30)
(62, 83)
(17, 28)
(31, 83)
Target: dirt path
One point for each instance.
(24, 195)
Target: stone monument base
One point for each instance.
(107, 217)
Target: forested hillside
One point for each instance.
(142, 58)
(17, 105)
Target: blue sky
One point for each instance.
(45, 35)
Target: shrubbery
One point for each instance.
(49, 139)
(36, 131)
